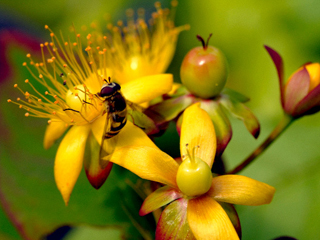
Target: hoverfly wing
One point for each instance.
(108, 145)
(137, 116)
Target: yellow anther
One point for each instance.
(41, 45)
(27, 114)
(26, 81)
(46, 26)
(18, 99)
(49, 121)
(51, 34)
(16, 85)
(9, 100)
(24, 64)
(28, 55)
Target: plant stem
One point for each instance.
(282, 125)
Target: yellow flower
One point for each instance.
(65, 89)
(191, 217)
(139, 49)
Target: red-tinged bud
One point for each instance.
(300, 95)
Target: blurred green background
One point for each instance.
(28, 195)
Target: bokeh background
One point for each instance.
(31, 206)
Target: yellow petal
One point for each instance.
(129, 134)
(242, 190)
(148, 163)
(69, 159)
(208, 220)
(147, 88)
(197, 130)
(54, 131)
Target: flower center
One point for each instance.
(194, 176)
(83, 106)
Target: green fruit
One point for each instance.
(204, 70)
(194, 177)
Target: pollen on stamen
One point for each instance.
(40, 76)
(78, 35)
(64, 65)
(28, 55)
(27, 114)
(56, 102)
(20, 106)
(46, 43)
(16, 85)
(18, 99)
(51, 34)
(54, 112)
(41, 45)
(46, 26)
(8, 100)
(24, 64)
(39, 100)
(26, 81)
(46, 93)
(49, 121)
(66, 43)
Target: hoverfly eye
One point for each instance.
(109, 89)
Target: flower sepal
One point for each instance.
(221, 124)
(242, 112)
(173, 223)
(159, 198)
(96, 172)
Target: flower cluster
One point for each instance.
(108, 91)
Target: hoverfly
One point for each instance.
(117, 112)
